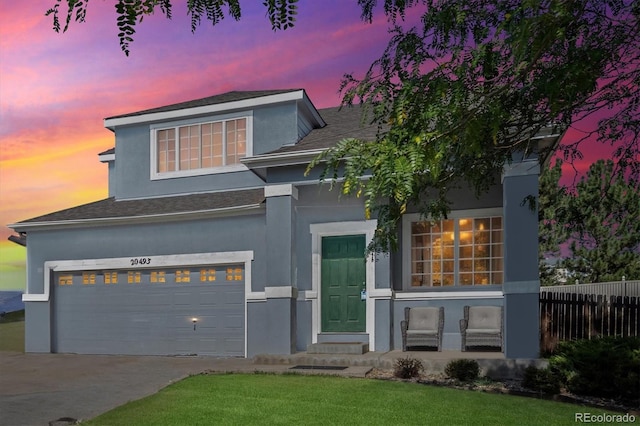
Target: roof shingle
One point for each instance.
(210, 100)
(110, 208)
(342, 122)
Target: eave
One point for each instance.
(256, 208)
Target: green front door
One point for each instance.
(343, 278)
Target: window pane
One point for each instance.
(482, 265)
(466, 279)
(447, 279)
(466, 266)
(217, 144)
(496, 223)
(496, 264)
(465, 251)
(231, 157)
(241, 138)
(165, 150)
(447, 225)
(420, 227)
(482, 224)
(481, 279)
(447, 266)
(437, 280)
(480, 251)
(465, 224)
(482, 237)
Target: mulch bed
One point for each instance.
(509, 387)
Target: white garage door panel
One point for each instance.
(153, 318)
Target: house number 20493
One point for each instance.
(140, 261)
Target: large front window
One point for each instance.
(200, 147)
(464, 251)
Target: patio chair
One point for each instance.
(422, 327)
(482, 326)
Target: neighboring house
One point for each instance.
(213, 242)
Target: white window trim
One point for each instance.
(406, 246)
(153, 158)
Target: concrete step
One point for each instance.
(338, 348)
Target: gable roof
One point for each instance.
(110, 210)
(218, 103)
(341, 122)
(209, 100)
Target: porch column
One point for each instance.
(521, 280)
(281, 291)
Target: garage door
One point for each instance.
(170, 311)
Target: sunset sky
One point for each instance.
(56, 89)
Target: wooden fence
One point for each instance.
(570, 316)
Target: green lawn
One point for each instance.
(241, 399)
(12, 332)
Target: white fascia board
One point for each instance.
(125, 220)
(106, 158)
(286, 189)
(311, 109)
(112, 123)
(281, 159)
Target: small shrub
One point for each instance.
(604, 367)
(542, 380)
(465, 370)
(407, 368)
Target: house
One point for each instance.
(214, 242)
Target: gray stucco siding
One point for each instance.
(133, 171)
(316, 204)
(274, 127)
(223, 234)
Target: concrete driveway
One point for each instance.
(36, 389)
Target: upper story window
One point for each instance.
(200, 148)
(459, 251)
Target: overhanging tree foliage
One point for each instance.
(281, 14)
(598, 223)
(461, 95)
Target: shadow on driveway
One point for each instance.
(36, 389)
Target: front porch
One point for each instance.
(492, 364)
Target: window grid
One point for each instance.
(201, 146)
(480, 251)
(183, 276)
(234, 274)
(110, 277)
(157, 277)
(134, 277)
(207, 275)
(465, 251)
(88, 278)
(66, 279)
